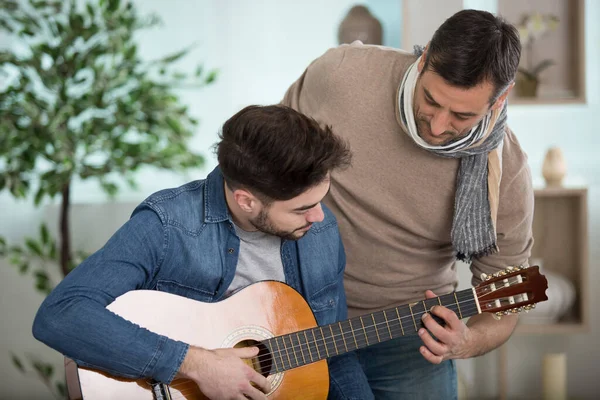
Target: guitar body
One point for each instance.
(260, 311)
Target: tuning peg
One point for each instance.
(484, 277)
(497, 315)
(533, 306)
(510, 269)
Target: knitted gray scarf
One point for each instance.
(473, 232)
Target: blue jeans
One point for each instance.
(396, 370)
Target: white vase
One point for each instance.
(554, 168)
(561, 296)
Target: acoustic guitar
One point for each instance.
(277, 319)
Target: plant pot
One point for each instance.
(526, 87)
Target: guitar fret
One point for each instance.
(333, 339)
(363, 326)
(381, 324)
(294, 349)
(450, 302)
(343, 338)
(300, 344)
(308, 346)
(286, 351)
(413, 317)
(400, 321)
(280, 353)
(316, 343)
(353, 335)
(324, 342)
(457, 306)
(387, 323)
(376, 330)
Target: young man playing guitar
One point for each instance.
(257, 216)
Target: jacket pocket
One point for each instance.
(185, 291)
(324, 303)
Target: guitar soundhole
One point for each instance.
(261, 363)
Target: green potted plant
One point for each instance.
(79, 103)
(532, 28)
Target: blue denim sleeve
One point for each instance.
(74, 320)
(347, 379)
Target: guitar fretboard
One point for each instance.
(304, 347)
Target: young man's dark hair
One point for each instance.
(277, 152)
(474, 46)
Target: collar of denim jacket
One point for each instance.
(215, 204)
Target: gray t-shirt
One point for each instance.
(259, 259)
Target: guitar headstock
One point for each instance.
(512, 290)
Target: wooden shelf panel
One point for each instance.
(559, 191)
(560, 235)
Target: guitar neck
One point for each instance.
(304, 347)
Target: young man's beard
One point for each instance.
(263, 224)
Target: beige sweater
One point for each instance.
(395, 204)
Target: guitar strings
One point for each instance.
(299, 349)
(372, 327)
(279, 353)
(274, 353)
(290, 353)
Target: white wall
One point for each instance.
(261, 47)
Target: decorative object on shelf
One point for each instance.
(554, 376)
(554, 167)
(360, 24)
(561, 296)
(533, 27)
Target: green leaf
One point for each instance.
(27, 32)
(42, 281)
(52, 253)
(44, 369)
(175, 56)
(39, 195)
(113, 5)
(34, 247)
(44, 234)
(212, 76)
(174, 124)
(15, 259)
(61, 389)
(24, 267)
(541, 66)
(110, 188)
(17, 363)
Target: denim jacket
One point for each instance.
(182, 241)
